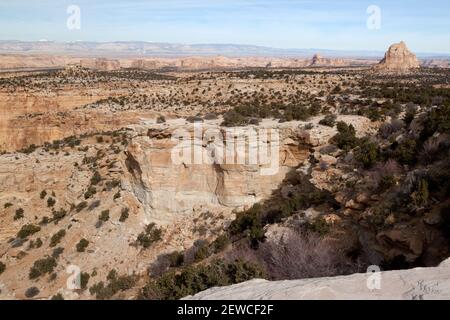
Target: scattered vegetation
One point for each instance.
(28, 230)
(50, 202)
(104, 216)
(115, 284)
(19, 214)
(82, 245)
(150, 235)
(31, 292)
(42, 266)
(56, 238)
(193, 279)
(124, 213)
(329, 120)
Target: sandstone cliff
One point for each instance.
(319, 61)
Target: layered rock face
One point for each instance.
(398, 59)
(414, 284)
(169, 188)
(33, 118)
(319, 61)
(101, 64)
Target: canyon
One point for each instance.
(98, 173)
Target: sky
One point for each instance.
(325, 24)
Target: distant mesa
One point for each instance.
(398, 58)
(319, 61)
(101, 64)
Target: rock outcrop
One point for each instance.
(398, 58)
(101, 64)
(167, 188)
(414, 284)
(319, 61)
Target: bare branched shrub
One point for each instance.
(387, 129)
(305, 255)
(304, 136)
(432, 147)
(383, 171)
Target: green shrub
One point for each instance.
(329, 120)
(124, 214)
(176, 259)
(374, 114)
(210, 116)
(90, 192)
(42, 266)
(28, 230)
(7, 205)
(193, 279)
(2, 267)
(104, 216)
(31, 292)
(234, 119)
(151, 235)
(81, 206)
(368, 153)
(43, 194)
(38, 243)
(58, 215)
(56, 238)
(320, 226)
(437, 120)
(84, 280)
(96, 178)
(57, 252)
(406, 152)
(203, 251)
(57, 296)
(336, 89)
(82, 245)
(50, 202)
(19, 214)
(115, 285)
(220, 243)
(161, 119)
(409, 116)
(386, 182)
(421, 195)
(292, 112)
(112, 184)
(346, 137)
(193, 119)
(249, 224)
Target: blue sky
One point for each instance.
(327, 24)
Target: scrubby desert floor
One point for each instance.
(92, 207)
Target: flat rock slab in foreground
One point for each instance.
(420, 283)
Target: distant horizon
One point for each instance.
(278, 50)
(347, 25)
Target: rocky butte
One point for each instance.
(398, 58)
